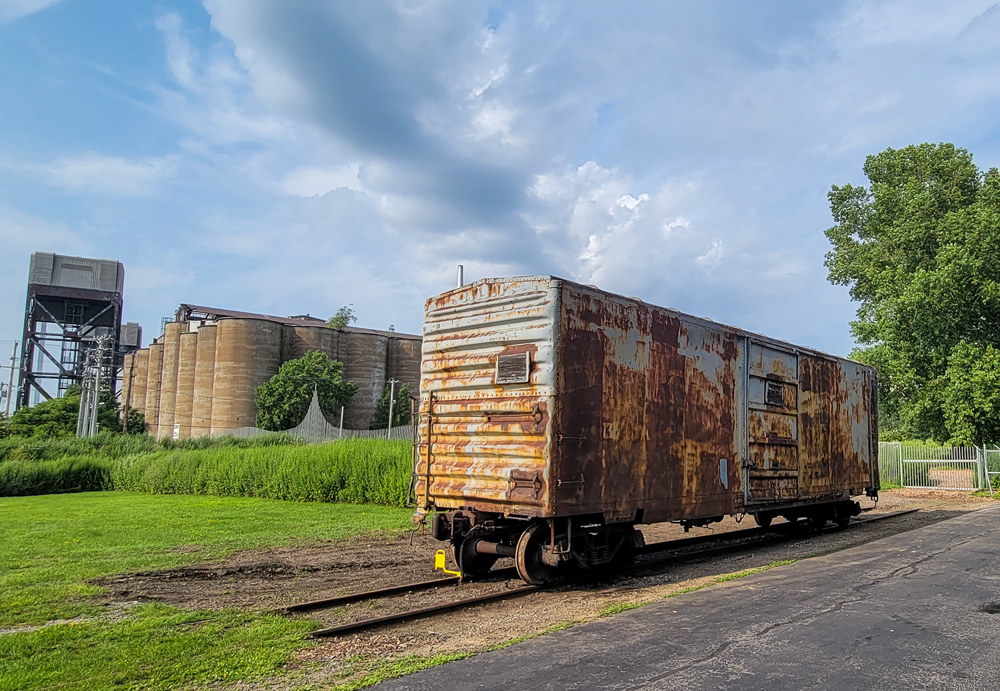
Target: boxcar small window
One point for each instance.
(772, 394)
(512, 369)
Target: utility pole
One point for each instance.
(392, 396)
(10, 385)
(128, 397)
(90, 396)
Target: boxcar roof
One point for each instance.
(785, 345)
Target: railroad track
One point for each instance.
(672, 551)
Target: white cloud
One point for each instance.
(15, 9)
(672, 152)
(313, 182)
(113, 175)
(712, 258)
(213, 101)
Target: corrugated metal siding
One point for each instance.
(489, 441)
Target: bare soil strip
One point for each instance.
(270, 579)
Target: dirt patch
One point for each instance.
(269, 579)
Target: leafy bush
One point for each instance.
(400, 408)
(20, 478)
(57, 417)
(282, 401)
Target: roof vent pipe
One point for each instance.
(461, 276)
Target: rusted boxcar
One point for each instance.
(556, 416)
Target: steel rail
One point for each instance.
(370, 594)
(339, 600)
(770, 536)
(424, 611)
(376, 622)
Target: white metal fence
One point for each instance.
(938, 467)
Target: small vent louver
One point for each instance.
(512, 369)
(773, 394)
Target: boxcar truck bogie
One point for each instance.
(555, 417)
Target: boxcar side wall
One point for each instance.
(649, 411)
(670, 417)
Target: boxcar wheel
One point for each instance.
(528, 560)
(817, 521)
(763, 519)
(473, 564)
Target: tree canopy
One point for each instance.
(57, 417)
(919, 248)
(400, 408)
(282, 401)
(342, 317)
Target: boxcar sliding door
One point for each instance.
(772, 462)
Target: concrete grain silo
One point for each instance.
(187, 352)
(247, 354)
(364, 361)
(128, 370)
(135, 378)
(249, 348)
(168, 383)
(204, 377)
(153, 381)
(404, 361)
(299, 340)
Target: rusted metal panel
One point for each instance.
(648, 407)
(628, 409)
(772, 412)
(482, 442)
(838, 425)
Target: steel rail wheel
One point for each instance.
(528, 559)
(470, 562)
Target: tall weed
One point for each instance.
(275, 467)
(353, 470)
(111, 445)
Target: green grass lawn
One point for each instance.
(53, 544)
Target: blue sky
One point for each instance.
(291, 157)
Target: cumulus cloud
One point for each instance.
(679, 152)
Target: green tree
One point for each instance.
(282, 401)
(136, 422)
(342, 317)
(58, 417)
(920, 250)
(400, 408)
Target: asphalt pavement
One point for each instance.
(917, 610)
